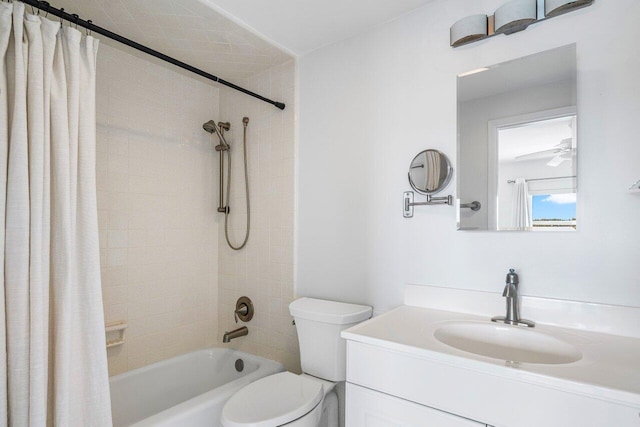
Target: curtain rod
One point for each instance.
(512, 181)
(89, 25)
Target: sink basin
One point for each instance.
(506, 342)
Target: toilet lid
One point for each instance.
(272, 401)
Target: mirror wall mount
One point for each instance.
(511, 17)
(429, 173)
(408, 202)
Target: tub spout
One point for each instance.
(236, 333)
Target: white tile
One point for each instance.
(118, 219)
(165, 257)
(266, 271)
(154, 262)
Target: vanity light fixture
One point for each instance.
(558, 7)
(511, 17)
(515, 16)
(469, 29)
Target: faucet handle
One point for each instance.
(512, 280)
(244, 309)
(510, 291)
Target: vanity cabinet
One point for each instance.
(369, 408)
(406, 389)
(404, 367)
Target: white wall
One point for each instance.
(156, 179)
(369, 104)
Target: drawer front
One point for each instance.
(368, 408)
(479, 396)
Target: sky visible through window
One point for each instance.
(554, 206)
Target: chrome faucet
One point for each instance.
(513, 310)
(236, 333)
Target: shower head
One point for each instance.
(210, 126)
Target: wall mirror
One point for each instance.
(429, 172)
(517, 144)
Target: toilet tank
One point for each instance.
(319, 323)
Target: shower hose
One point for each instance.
(245, 122)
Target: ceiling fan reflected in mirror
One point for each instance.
(558, 154)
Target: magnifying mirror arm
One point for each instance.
(447, 200)
(409, 203)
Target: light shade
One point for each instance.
(558, 7)
(515, 15)
(468, 29)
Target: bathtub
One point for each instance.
(188, 390)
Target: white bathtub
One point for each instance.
(188, 390)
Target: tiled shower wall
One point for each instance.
(263, 270)
(156, 199)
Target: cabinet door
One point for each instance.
(369, 408)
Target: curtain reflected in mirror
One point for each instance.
(520, 206)
(433, 170)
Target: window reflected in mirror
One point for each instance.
(536, 174)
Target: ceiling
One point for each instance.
(235, 39)
(300, 26)
(534, 137)
(188, 30)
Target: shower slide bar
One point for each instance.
(90, 26)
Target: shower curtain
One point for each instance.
(432, 170)
(53, 364)
(521, 211)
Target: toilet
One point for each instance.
(309, 399)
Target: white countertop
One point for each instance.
(609, 368)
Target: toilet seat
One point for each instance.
(272, 401)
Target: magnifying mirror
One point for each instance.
(430, 172)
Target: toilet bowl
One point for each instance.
(308, 399)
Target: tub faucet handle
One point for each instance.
(244, 309)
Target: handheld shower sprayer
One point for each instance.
(219, 129)
(209, 126)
